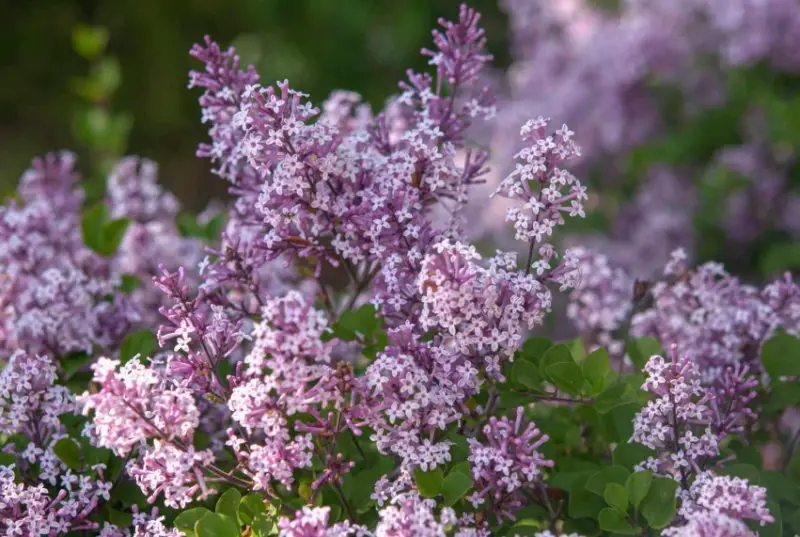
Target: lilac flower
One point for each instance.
(710, 524)
(548, 191)
(53, 288)
(485, 312)
(733, 497)
(224, 82)
(713, 318)
(152, 238)
(417, 388)
(602, 301)
(137, 403)
(177, 473)
(409, 515)
(677, 423)
(313, 522)
(507, 463)
(30, 401)
(29, 510)
(204, 333)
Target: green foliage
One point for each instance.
(455, 486)
(429, 483)
(141, 342)
(637, 486)
(616, 496)
(228, 503)
(781, 356)
(69, 453)
(101, 234)
(658, 507)
(216, 525)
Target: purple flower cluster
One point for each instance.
(30, 405)
(52, 288)
(507, 463)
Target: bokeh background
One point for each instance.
(319, 45)
(688, 110)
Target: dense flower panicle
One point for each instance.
(223, 81)
(602, 301)
(52, 179)
(28, 510)
(175, 472)
(152, 238)
(136, 403)
(548, 191)
(417, 388)
(409, 515)
(733, 497)
(677, 423)
(203, 333)
(53, 288)
(313, 522)
(287, 371)
(714, 319)
(710, 524)
(508, 462)
(486, 312)
(30, 401)
(133, 192)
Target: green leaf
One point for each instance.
(429, 483)
(618, 394)
(638, 485)
(616, 496)
(534, 348)
(129, 283)
(455, 486)
(629, 454)
(596, 368)
(74, 362)
(641, 349)
(120, 519)
(566, 376)
(68, 452)
(216, 525)
(781, 356)
(262, 527)
(250, 507)
(141, 342)
(583, 503)
(616, 522)
(89, 41)
(658, 506)
(610, 474)
(108, 75)
(745, 471)
(93, 222)
(99, 234)
(526, 374)
(228, 503)
(555, 355)
(781, 487)
(186, 520)
(113, 233)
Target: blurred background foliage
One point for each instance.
(50, 96)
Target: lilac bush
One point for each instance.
(336, 359)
